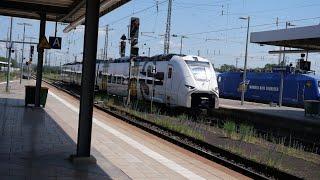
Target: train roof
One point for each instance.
(266, 74)
(161, 57)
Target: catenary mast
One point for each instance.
(168, 28)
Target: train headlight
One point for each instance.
(189, 87)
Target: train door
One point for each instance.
(169, 94)
(301, 89)
(290, 90)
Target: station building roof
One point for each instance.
(306, 38)
(67, 11)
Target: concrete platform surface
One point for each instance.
(295, 114)
(36, 144)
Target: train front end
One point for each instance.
(200, 83)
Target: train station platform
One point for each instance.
(290, 113)
(35, 143)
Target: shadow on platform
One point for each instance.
(33, 145)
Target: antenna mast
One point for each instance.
(168, 27)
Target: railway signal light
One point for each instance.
(134, 28)
(31, 51)
(122, 48)
(134, 51)
(134, 35)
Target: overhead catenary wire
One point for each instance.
(137, 12)
(242, 27)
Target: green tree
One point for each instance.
(227, 68)
(268, 67)
(14, 62)
(3, 59)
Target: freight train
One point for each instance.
(265, 86)
(174, 80)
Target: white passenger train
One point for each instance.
(174, 80)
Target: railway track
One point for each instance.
(233, 161)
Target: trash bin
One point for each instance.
(311, 107)
(31, 93)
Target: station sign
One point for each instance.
(44, 43)
(55, 42)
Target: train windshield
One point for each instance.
(198, 69)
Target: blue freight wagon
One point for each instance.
(265, 87)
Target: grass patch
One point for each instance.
(181, 124)
(230, 129)
(13, 75)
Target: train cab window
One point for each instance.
(159, 76)
(319, 84)
(170, 73)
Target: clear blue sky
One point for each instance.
(204, 22)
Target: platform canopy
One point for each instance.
(68, 11)
(306, 38)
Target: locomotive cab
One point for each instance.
(200, 84)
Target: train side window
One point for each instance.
(113, 79)
(125, 81)
(170, 73)
(109, 78)
(119, 81)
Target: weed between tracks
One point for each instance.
(246, 133)
(182, 123)
(241, 139)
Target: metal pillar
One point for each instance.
(245, 64)
(9, 56)
(106, 43)
(40, 59)
(168, 29)
(88, 78)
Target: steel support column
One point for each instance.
(40, 59)
(88, 78)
